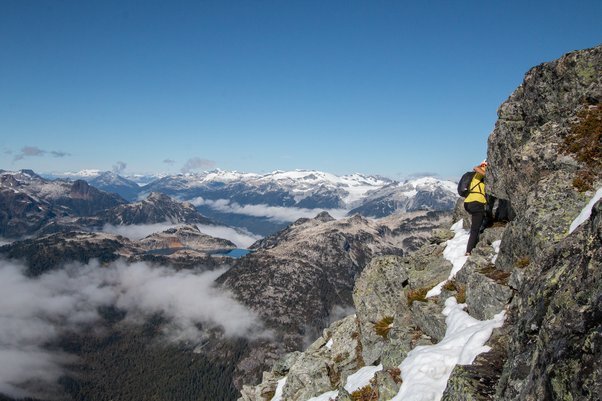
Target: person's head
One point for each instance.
(481, 168)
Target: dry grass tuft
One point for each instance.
(417, 295)
(366, 393)
(499, 276)
(585, 142)
(395, 374)
(383, 326)
(523, 262)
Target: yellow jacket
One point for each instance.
(477, 190)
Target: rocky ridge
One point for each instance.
(545, 278)
(181, 247)
(300, 279)
(421, 194)
(29, 202)
(156, 208)
(112, 182)
(32, 205)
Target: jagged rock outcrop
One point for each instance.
(529, 164)
(547, 352)
(553, 346)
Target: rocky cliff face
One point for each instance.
(545, 278)
(554, 343)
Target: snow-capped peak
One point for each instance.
(86, 173)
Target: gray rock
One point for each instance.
(487, 288)
(478, 381)
(388, 383)
(554, 348)
(526, 165)
(428, 318)
(377, 294)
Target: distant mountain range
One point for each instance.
(265, 203)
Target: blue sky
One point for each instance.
(380, 87)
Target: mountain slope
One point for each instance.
(545, 277)
(156, 208)
(29, 201)
(112, 182)
(421, 194)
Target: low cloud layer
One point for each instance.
(196, 163)
(136, 232)
(275, 213)
(33, 151)
(35, 312)
(242, 238)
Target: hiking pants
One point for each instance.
(477, 212)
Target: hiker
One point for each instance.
(475, 204)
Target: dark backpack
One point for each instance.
(464, 184)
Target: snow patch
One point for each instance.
(426, 369)
(325, 396)
(455, 252)
(279, 390)
(496, 249)
(361, 378)
(586, 212)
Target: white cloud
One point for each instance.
(35, 311)
(276, 213)
(119, 167)
(196, 163)
(31, 151)
(242, 238)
